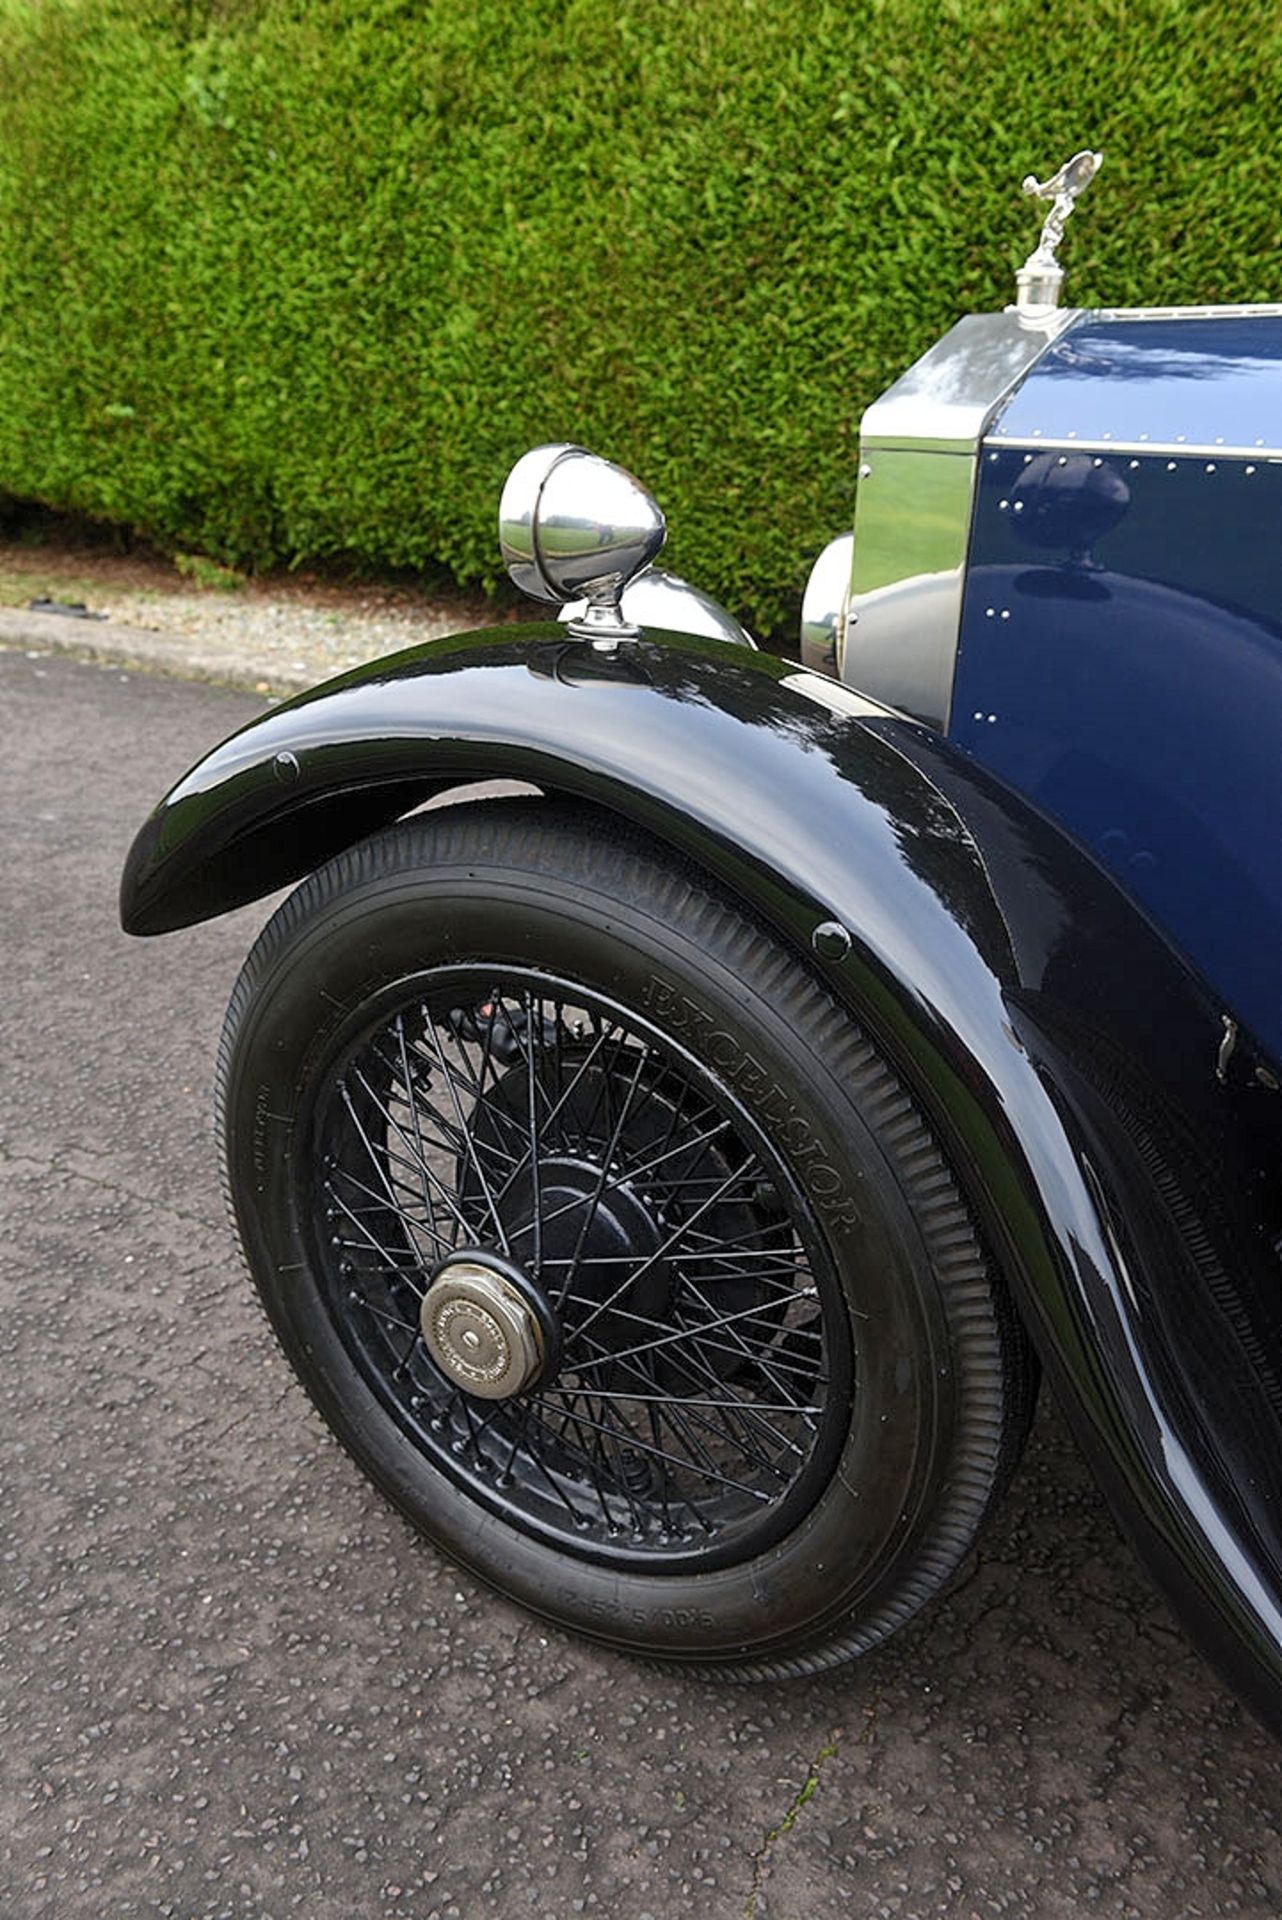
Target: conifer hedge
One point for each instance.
(290, 278)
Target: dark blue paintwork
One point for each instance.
(1207, 382)
(1121, 664)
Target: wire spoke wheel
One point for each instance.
(703, 1370)
(610, 1246)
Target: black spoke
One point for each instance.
(377, 1160)
(664, 1327)
(388, 1319)
(760, 1359)
(693, 1365)
(469, 1142)
(686, 1464)
(392, 1262)
(532, 1093)
(594, 1199)
(731, 1180)
(556, 1111)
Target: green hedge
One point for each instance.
(286, 280)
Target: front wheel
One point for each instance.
(610, 1247)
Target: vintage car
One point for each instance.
(669, 1174)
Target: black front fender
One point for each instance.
(1124, 1168)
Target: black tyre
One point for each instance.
(712, 1366)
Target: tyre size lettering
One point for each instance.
(262, 1114)
(641, 1617)
(693, 1024)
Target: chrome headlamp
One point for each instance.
(825, 606)
(575, 527)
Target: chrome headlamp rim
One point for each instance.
(518, 517)
(825, 606)
(576, 527)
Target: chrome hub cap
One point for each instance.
(480, 1331)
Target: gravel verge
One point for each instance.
(263, 646)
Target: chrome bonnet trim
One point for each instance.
(1265, 450)
(1244, 310)
(919, 448)
(946, 399)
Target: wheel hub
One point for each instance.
(482, 1329)
(621, 1231)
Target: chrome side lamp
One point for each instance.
(575, 527)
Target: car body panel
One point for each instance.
(1120, 656)
(1205, 381)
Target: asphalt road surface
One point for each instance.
(233, 1683)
